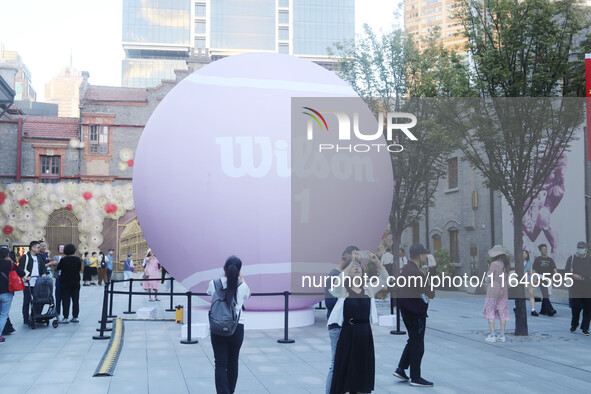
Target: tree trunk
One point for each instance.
(520, 309)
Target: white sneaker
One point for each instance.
(64, 321)
(501, 337)
(491, 338)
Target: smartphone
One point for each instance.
(363, 254)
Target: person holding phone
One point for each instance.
(151, 268)
(354, 361)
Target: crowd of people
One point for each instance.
(65, 269)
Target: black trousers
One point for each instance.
(58, 295)
(577, 305)
(70, 292)
(546, 304)
(225, 353)
(412, 355)
(27, 302)
(109, 273)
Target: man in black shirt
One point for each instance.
(579, 265)
(334, 330)
(413, 301)
(545, 265)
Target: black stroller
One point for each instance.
(41, 296)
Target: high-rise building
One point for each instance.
(22, 76)
(422, 16)
(64, 90)
(156, 40)
(158, 35)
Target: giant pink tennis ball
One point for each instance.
(212, 177)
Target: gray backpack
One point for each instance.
(223, 319)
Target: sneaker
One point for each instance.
(491, 338)
(586, 332)
(74, 320)
(552, 313)
(151, 300)
(534, 313)
(573, 329)
(64, 321)
(501, 337)
(420, 382)
(400, 374)
(2, 339)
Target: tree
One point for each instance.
(385, 71)
(527, 48)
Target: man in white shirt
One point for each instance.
(34, 266)
(402, 260)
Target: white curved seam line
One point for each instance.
(276, 84)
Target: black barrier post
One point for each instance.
(111, 315)
(103, 320)
(129, 311)
(189, 341)
(320, 306)
(171, 309)
(286, 322)
(397, 330)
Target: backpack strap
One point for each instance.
(218, 285)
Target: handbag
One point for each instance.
(145, 275)
(15, 282)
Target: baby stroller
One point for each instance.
(41, 296)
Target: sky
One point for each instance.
(48, 33)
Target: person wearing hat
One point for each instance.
(545, 265)
(413, 302)
(579, 265)
(496, 305)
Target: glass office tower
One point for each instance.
(159, 35)
(156, 40)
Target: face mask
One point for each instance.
(581, 251)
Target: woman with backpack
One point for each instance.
(229, 293)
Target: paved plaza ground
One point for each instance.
(152, 360)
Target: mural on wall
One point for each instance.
(555, 215)
(25, 209)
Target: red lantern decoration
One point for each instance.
(110, 208)
(130, 162)
(69, 207)
(2, 198)
(7, 229)
(87, 195)
(23, 202)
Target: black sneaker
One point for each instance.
(573, 329)
(586, 332)
(552, 313)
(534, 313)
(420, 382)
(400, 374)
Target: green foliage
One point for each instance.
(443, 260)
(529, 48)
(386, 70)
